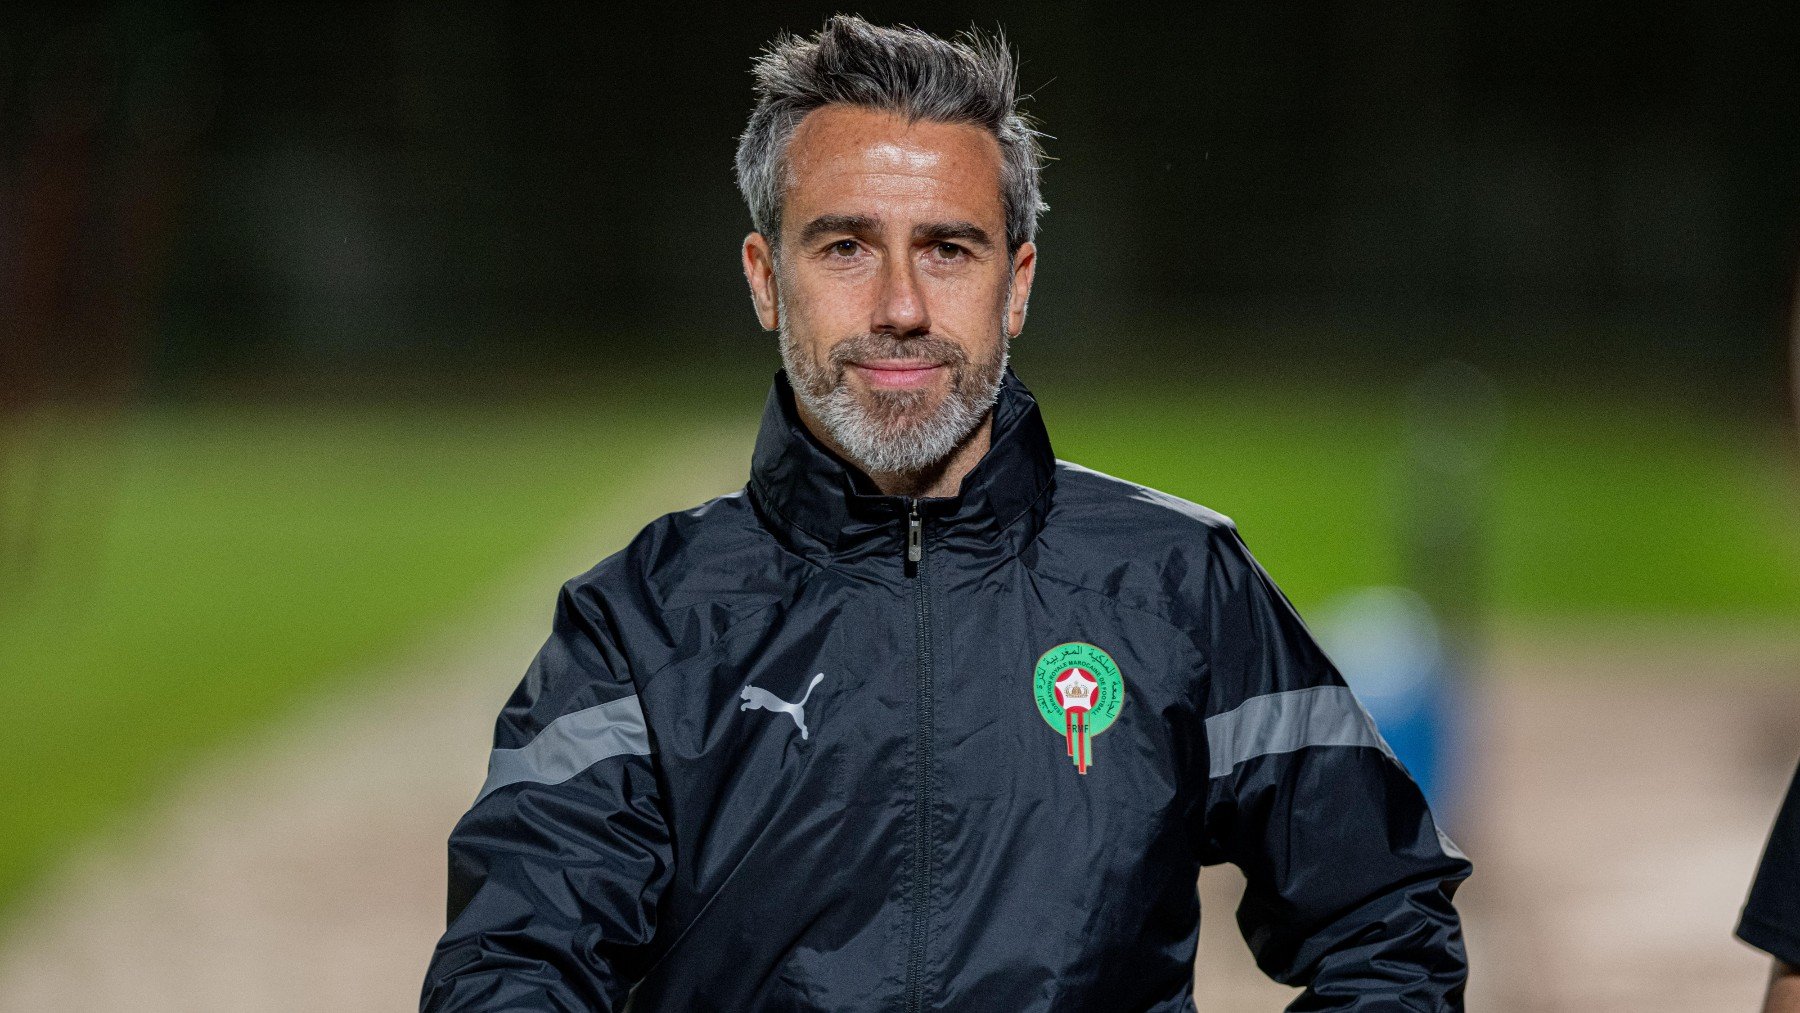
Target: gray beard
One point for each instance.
(890, 437)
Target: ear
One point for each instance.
(1024, 268)
(759, 271)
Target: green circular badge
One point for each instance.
(1079, 692)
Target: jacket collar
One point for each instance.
(829, 510)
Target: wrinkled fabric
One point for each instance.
(929, 842)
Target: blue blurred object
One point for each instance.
(1392, 650)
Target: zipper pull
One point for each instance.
(915, 536)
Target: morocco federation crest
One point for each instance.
(1079, 692)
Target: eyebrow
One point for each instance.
(940, 231)
(825, 225)
(868, 225)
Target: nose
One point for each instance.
(900, 304)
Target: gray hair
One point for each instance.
(971, 79)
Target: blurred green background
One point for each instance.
(319, 320)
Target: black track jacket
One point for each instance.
(809, 747)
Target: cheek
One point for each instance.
(970, 306)
(829, 305)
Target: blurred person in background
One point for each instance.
(1771, 915)
(834, 740)
(1770, 919)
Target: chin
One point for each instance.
(897, 408)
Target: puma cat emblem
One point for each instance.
(756, 697)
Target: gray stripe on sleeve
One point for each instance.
(1284, 722)
(570, 745)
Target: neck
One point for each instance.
(943, 478)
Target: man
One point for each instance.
(1770, 920)
(924, 717)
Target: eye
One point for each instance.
(844, 248)
(949, 251)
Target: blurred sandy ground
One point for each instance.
(1625, 788)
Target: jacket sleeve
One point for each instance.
(556, 870)
(1349, 880)
(1770, 917)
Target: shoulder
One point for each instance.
(1143, 547)
(1186, 564)
(1098, 500)
(683, 556)
(684, 578)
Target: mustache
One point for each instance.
(927, 350)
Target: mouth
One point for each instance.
(898, 374)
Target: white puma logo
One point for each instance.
(754, 696)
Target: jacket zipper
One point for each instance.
(921, 871)
(915, 536)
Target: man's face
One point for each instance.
(892, 288)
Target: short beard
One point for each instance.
(886, 438)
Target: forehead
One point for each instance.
(851, 160)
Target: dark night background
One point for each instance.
(1602, 193)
